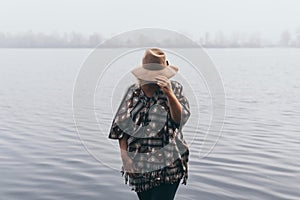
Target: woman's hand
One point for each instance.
(127, 161)
(173, 103)
(129, 167)
(165, 85)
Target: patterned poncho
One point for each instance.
(155, 142)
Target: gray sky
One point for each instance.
(110, 17)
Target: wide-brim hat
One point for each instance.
(154, 64)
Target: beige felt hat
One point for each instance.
(154, 63)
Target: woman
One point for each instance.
(148, 126)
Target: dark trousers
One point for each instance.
(165, 191)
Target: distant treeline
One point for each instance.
(208, 40)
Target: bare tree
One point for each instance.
(297, 39)
(95, 39)
(285, 38)
(220, 39)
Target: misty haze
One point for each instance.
(44, 46)
(207, 40)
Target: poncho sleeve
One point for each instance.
(177, 127)
(178, 91)
(117, 131)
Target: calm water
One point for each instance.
(257, 156)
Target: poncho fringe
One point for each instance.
(153, 182)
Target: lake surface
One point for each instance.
(42, 156)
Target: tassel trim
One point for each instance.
(155, 178)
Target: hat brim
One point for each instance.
(149, 75)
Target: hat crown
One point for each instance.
(154, 55)
(154, 64)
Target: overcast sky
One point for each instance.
(110, 17)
